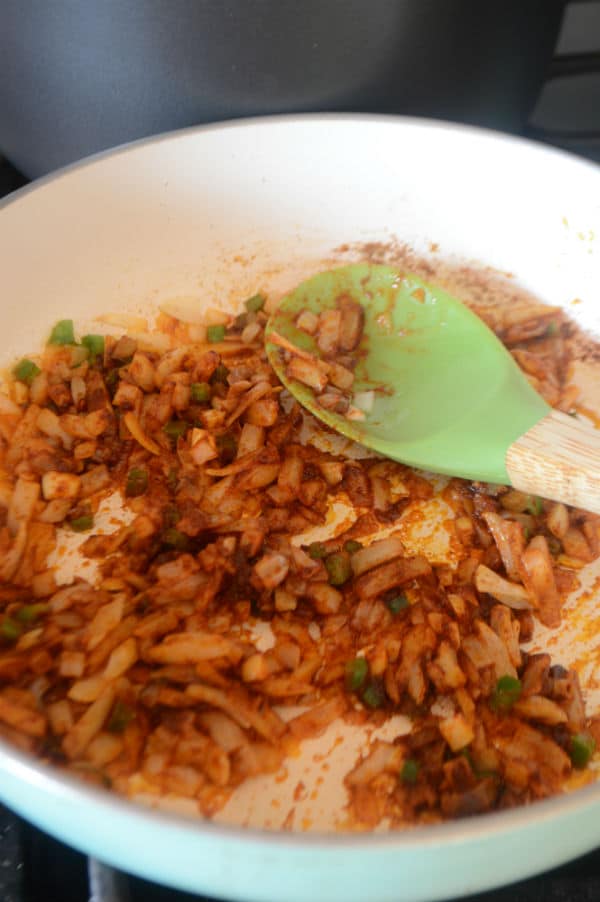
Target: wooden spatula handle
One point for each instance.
(558, 458)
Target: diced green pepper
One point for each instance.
(374, 695)
(26, 371)
(338, 567)
(255, 303)
(172, 479)
(137, 482)
(62, 333)
(199, 392)
(507, 692)
(316, 550)
(120, 717)
(10, 630)
(175, 429)
(410, 771)
(582, 748)
(29, 613)
(94, 344)
(220, 374)
(352, 545)
(215, 333)
(82, 524)
(356, 674)
(552, 330)
(175, 539)
(535, 506)
(397, 603)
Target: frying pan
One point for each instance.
(212, 213)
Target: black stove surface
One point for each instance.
(34, 867)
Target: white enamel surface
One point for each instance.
(215, 214)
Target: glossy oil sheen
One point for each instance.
(448, 395)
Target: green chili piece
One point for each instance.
(82, 524)
(397, 603)
(215, 333)
(10, 629)
(175, 539)
(26, 371)
(338, 567)
(137, 482)
(199, 392)
(29, 613)
(352, 545)
(94, 344)
(552, 330)
(255, 303)
(356, 674)
(582, 748)
(220, 374)
(316, 550)
(535, 506)
(120, 718)
(507, 692)
(410, 771)
(374, 695)
(175, 429)
(62, 333)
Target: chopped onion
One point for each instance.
(124, 321)
(364, 400)
(354, 413)
(132, 423)
(186, 308)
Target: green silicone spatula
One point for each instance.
(447, 395)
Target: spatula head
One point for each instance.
(448, 395)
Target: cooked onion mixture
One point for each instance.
(330, 374)
(153, 682)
